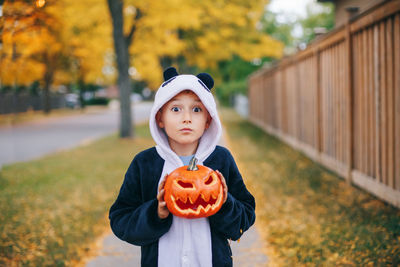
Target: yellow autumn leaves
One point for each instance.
(76, 37)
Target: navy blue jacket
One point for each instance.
(134, 219)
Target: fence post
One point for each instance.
(318, 97)
(350, 92)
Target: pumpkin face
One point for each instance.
(193, 193)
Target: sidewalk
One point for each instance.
(248, 252)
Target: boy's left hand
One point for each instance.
(222, 178)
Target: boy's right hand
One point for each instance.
(162, 209)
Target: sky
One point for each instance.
(297, 7)
(290, 11)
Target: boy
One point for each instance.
(183, 123)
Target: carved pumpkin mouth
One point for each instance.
(194, 207)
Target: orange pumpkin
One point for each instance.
(193, 191)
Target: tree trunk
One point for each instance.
(122, 53)
(48, 80)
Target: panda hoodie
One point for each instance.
(176, 241)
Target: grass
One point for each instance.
(308, 215)
(54, 208)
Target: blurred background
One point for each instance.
(60, 54)
(310, 88)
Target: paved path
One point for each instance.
(31, 140)
(114, 252)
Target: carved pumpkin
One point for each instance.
(193, 191)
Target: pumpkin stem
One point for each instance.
(192, 165)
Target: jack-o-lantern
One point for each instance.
(193, 191)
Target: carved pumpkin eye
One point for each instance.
(185, 185)
(209, 180)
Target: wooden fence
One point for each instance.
(338, 101)
(16, 103)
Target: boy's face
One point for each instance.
(184, 119)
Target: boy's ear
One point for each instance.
(208, 122)
(159, 121)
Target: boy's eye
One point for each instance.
(196, 109)
(175, 109)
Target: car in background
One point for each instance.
(72, 101)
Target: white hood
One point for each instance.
(168, 90)
(188, 241)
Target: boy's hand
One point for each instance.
(222, 178)
(162, 209)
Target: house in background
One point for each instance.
(349, 8)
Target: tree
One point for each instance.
(121, 44)
(319, 15)
(31, 45)
(202, 32)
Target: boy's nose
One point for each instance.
(187, 117)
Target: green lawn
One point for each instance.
(309, 216)
(54, 208)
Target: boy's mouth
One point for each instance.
(186, 130)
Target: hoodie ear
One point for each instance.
(169, 73)
(206, 79)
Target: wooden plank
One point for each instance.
(368, 103)
(284, 101)
(297, 98)
(378, 170)
(325, 108)
(318, 100)
(383, 101)
(334, 109)
(322, 103)
(345, 97)
(353, 139)
(397, 99)
(279, 97)
(314, 109)
(341, 100)
(362, 103)
(371, 128)
(368, 18)
(389, 81)
(344, 101)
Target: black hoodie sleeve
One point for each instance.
(133, 216)
(237, 214)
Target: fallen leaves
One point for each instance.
(54, 208)
(309, 216)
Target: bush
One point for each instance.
(97, 101)
(226, 91)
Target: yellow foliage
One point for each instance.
(80, 30)
(204, 32)
(27, 42)
(87, 34)
(212, 31)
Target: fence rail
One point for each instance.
(338, 101)
(16, 103)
